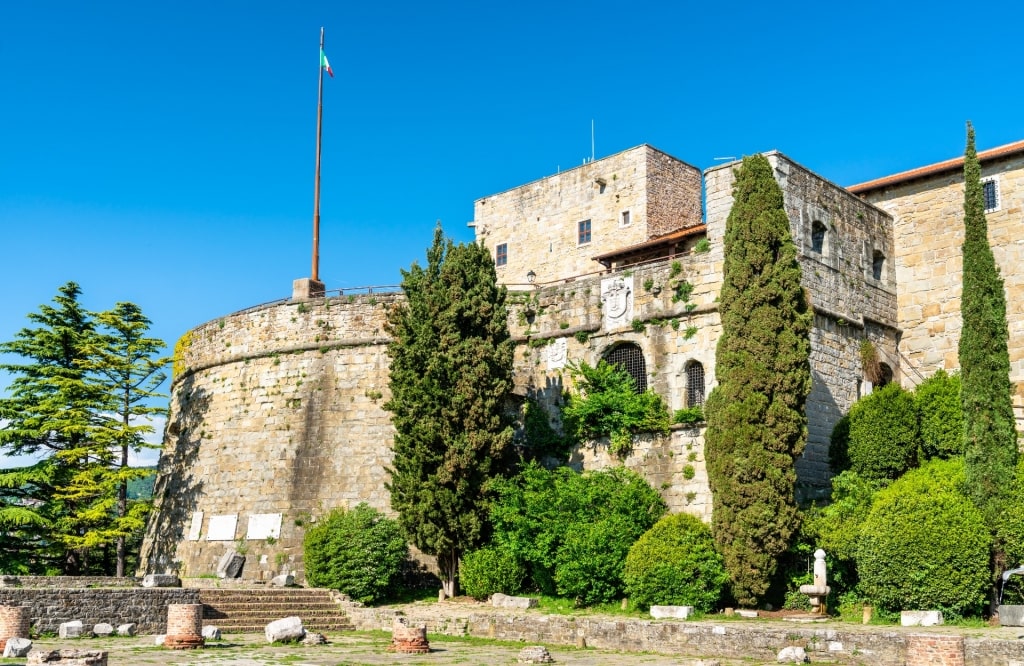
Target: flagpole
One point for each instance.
(316, 186)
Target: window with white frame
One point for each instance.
(624, 219)
(990, 188)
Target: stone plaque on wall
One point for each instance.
(196, 528)
(557, 352)
(222, 528)
(617, 301)
(264, 525)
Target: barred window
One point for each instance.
(818, 232)
(630, 358)
(694, 384)
(990, 187)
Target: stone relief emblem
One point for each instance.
(557, 353)
(617, 301)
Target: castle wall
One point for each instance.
(539, 222)
(929, 233)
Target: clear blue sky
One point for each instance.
(162, 153)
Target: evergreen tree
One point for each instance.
(756, 419)
(990, 437)
(451, 370)
(128, 370)
(53, 412)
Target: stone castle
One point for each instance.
(276, 414)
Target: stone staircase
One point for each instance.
(248, 611)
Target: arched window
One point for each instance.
(818, 232)
(630, 358)
(878, 265)
(694, 384)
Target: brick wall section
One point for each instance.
(928, 223)
(75, 581)
(14, 623)
(539, 221)
(185, 620)
(48, 608)
(935, 650)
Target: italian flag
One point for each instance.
(324, 64)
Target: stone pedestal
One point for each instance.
(1011, 615)
(184, 626)
(305, 289)
(14, 623)
(408, 639)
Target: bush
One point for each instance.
(490, 570)
(572, 531)
(941, 415)
(1010, 531)
(924, 545)
(358, 552)
(839, 446)
(675, 563)
(884, 433)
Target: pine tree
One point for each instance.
(127, 369)
(450, 372)
(53, 412)
(756, 418)
(990, 437)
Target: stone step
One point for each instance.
(249, 611)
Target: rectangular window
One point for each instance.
(584, 232)
(990, 186)
(624, 220)
(501, 255)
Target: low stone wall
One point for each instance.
(146, 607)
(704, 638)
(69, 582)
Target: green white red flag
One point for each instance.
(324, 64)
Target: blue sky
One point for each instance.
(162, 153)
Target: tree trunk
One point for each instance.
(449, 567)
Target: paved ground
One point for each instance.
(349, 650)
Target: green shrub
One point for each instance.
(1010, 531)
(542, 440)
(941, 415)
(839, 446)
(693, 414)
(675, 563)
(924, 545)
(358, 552)
(540, 516)
(884, 433)
(488, 571)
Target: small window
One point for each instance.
(878, 265)
(624, 219)
(584, 232)
(630, 358)
(818, 232)
(694, 384)
(990, 187)
(501, 255)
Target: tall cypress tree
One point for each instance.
(450, 372)
(757, 425)
(990, 436)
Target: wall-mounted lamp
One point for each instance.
(531, 276)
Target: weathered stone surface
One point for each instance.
(313, 638)
(211, 633)
(230, 565)
(127, 629)
(283, 580)
(285, 630)
(500, 600)
(1011, 615)
(68, 657)
(72, 629)
(9, 581)
(746, 612)
(17, 647)
(534, 654)
(146, 607)
(920, 618)
(161, 580)
(159, 639)
(792, 655)
(678, 612)
(408, 639)
(103, 629)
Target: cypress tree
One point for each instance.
(757, 425)
(450, 373)
(990, 437)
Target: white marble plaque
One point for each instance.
(196, 528)
(617, 301)
(222, 528)
(264, 525)
(557, 352)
